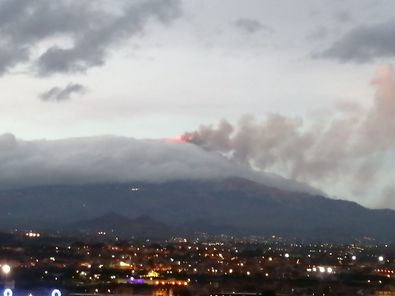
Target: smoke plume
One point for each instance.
(352, 148)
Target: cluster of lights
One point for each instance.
(32, 234)
(173, 283)
(220, 255)
(385, 271)
(321, 269)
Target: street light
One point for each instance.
(6, 269)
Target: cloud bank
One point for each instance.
(72, 36)
(353, 148)
(105, 159)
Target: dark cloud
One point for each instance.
(62, 94)
(10, 57)
(364, 43)
(72, 35)
(250, 26)
(115, 159)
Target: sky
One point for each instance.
(155, 69)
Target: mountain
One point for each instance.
(116, 225)
(233, 205)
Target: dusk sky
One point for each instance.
(154, 69)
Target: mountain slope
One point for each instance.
(116, 225)
(232, 205)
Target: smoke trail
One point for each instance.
(351, 147)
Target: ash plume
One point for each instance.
(353, 147)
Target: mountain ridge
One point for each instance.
(231, 205)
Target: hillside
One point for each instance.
(232, 205)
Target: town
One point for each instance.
(33, 263)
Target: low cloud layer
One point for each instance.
(58, 94)
(354, 148)
(116, 159)
(364, 43)
(72, 36)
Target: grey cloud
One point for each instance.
(318, 33)
(342, 16)
(91, 31)
(61, 94)
(364, 43)
(115, 159)
(388, 197)
(352, 147)
(250, 26)
(10, 57)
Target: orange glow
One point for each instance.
(177, 140)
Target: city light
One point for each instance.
(32, 234)
(6, 269)
(162, 267)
